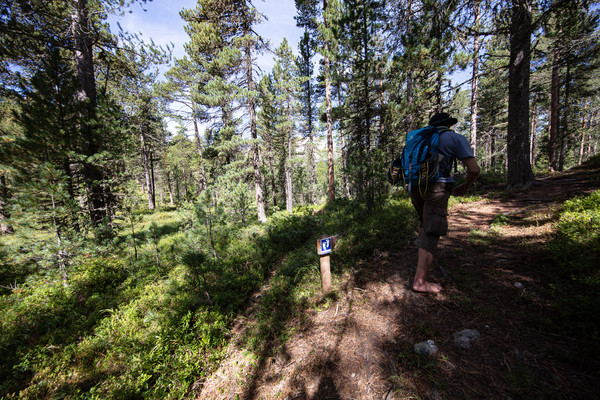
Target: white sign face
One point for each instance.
(325, 246)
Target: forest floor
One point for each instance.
(495, 271)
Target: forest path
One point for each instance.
(495, 273)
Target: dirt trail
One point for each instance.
(361, 345)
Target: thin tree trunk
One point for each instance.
(168, 174)
(203, 181)
(438, 91)
(564, 131)
(310, 151)
(532, 133)
(554, 109)
(582, 147)
(519, 170)
(475, 82)
(260, 204)
(410, 118)
(288, 176)
(344, 149)
(152, 181)
(330, 172)
(147, 173)
(60, 255)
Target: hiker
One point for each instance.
(432, 204)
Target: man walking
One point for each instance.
(432, 205)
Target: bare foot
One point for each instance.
(427, 287)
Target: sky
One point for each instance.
(161, 23)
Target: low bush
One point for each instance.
(575, 248)
(146, 318)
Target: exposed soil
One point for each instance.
(360, 345)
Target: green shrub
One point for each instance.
(576, 244)
(575, 248)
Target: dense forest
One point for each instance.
(129, 246)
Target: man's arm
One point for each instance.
(473, 172)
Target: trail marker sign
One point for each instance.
(324, 246)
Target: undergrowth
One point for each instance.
(576, 249)
(148, 313)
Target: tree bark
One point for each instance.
(168, 175)
(564, 131)
(519, 170)
(532, 134)
(475, 82)
(84, 63)
(330, 173)
(289, 197)
(554, 109)
(203, 181)
(344, 151)
(147, 173)
(582, 146)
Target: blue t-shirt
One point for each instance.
(452, 145)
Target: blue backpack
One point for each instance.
(419, 163)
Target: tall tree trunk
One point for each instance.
(203, 181)
(168, 174)
(344, 150)
(147, 172)
(310, 150)
(475, 81)
(310, 154)
(564, 131)
(260, 204)
(519, 170)
(532, 133)
(152, 181)
(410, 117)
(289, 198)
(582, 146)
(330, 172)
(439, 80)
(71, 190)
(554, 109)
(84, 63)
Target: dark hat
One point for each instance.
(442, 119)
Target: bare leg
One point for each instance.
(420, 283)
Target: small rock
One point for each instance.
(464, 338)
(519, 285)
(426, 348)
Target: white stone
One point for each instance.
(426, 348)
(464, 338)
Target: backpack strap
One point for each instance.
(453, 161)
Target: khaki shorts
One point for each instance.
(432, 207)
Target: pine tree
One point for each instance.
(306, 18)
(362, 28)
(287, 88)
(181, 88)
(272, 140)
(222, 45)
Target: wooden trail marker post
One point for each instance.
(324, 246)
